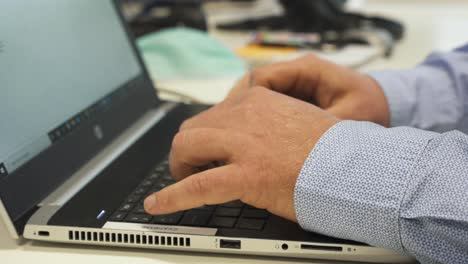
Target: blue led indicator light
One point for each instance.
(101, 214)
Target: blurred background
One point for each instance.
(197, 47)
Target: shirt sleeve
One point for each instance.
(431, 96)
(398, 188)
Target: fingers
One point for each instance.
(204, 119)
(287, 78)
(215, 117)
(242, 85)
(195, 148)
(215, 186)
(298, 78)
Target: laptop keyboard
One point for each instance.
(233, 214)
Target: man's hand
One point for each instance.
(262, 137)
(341, 91)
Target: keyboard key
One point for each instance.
(252, 224)
(138, 218)
(140, 191)
(163, 183)
(153, 190)
(126, 207)
(233, 204)
(154, 176)
(117, 217)
(160, 168)
(254, 213)
(195, 218)
(208, 208)
(169, 179)
(159, 185)
(227, 222)
(165, 162)
(139, 209)
(133, 198)
(167, 176)
(170, 219)
(232, 212)
(147, 183)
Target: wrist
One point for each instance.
(376, 104)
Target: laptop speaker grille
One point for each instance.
(129, 239)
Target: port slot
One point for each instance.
(44, 233)
(234, 244)
(326, 248)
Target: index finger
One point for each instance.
(215, 186)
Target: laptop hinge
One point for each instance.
(91, 169)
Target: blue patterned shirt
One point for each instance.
(404, 188)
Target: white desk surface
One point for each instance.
(430, 24)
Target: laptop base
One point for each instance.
(81, 219)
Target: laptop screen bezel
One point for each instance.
(25, 188)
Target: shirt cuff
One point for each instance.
(424, 97)
(353, 182)
(400, 99)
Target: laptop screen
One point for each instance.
(58, 63)
(62, 63)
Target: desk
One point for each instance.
(431, 25)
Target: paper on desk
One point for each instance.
(210, 91)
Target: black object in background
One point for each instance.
(317, 16)
(160, 14)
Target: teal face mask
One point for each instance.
(183, 53)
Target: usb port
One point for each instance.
(43, 233)
(226, 243)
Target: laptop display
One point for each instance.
(64, 70)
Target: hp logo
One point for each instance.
(98, 133)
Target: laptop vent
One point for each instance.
(130, 239)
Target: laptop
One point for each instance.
(84, 139)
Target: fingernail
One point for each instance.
(150, 203)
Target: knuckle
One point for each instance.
(255, 95)
(180, 140)
(162, 199)
(262, 75)
(242, 144)
(308, 57)
(177, 166)
(199, 184)
(258, 73)
(186, 124)
(255, 91)
(258, 89)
